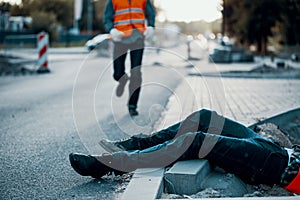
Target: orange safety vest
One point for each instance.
(294, 186)
(129, 14)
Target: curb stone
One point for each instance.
(146, 184)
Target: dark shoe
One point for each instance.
(122, 83)
(111, 146)
(87, 165)
(132, 110)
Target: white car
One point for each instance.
(295, 57)
(101, 41)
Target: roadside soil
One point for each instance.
(265, 71)
(8, 67)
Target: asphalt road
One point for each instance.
(45, 117)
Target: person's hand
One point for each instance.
(116, 35)
(149, 32)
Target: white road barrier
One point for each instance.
(43, 44)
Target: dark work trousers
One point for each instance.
(205, 134)
(136, 51)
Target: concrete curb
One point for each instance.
(146, 184)
(280, 119)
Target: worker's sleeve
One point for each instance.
(108, 16)
(150, 14)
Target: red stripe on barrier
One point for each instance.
(41, 36)
(45, 64)
(43, 41)
(43, 51)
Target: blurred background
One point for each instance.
(260, 26)
(43, 118)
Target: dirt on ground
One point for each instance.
(9, 67)
(266, 71)
(263, 69)
(122, 180)
(255, 191)
(274, 133)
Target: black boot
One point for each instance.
(133, 112)
(87, 165)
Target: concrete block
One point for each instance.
(185, 177)
(146, 184)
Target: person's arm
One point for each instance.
(150, 14)
(108, 16)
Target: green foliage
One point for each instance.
(42, 21)
(97, 14)
(62, 10)
(4, 7)
(99, 10)
(47, 15)
(291, 24)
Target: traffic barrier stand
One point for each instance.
(43, 43)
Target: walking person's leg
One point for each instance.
(119, 74)
(136, 57)
(134, 88)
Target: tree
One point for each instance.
(46, 15)
(291, 25)
(263, 16)
(4, 7)
(97, 15)
(42, 21)
(234, 20)
(251, 21)
(61, 9)
(228, 12)
(99, 10)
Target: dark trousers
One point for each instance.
(205, 134)
(136, 50)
